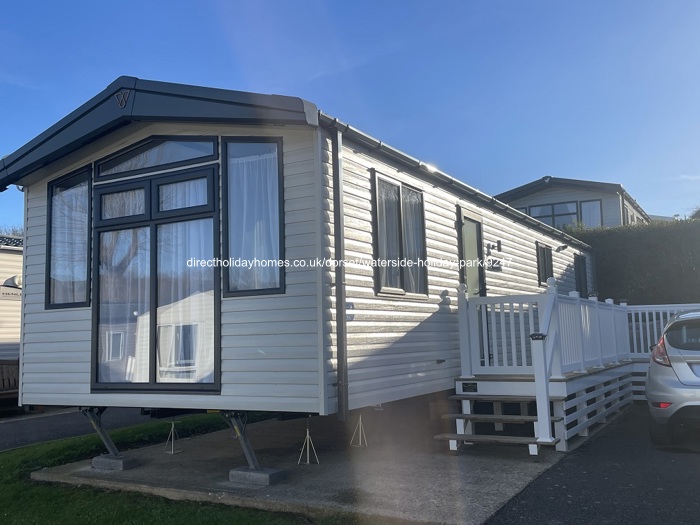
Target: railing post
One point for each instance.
(601, 340)
(581, 340)
(464, 330)
(554, 363)
(539, 365)
(614, 338)
(623, 305)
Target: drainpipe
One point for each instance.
(340, 306)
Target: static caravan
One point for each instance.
(10, 315)
(198, 248)
(10, 296)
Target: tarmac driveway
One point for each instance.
(617, 477)
(58, 423)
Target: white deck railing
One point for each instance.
(495, 332)
(648, 321)
(546, 335)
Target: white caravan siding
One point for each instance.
(403, 347)
(612, 212)
(10, 303)
(270, 344)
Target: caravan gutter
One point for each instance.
(446, 181)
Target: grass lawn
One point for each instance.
(23, 501)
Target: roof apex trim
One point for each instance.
(129, 99)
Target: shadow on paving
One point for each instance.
(617, 477)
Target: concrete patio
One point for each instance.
(402, 474)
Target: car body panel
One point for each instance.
(678, 384)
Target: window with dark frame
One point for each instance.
(400, 238)
(557, 215)
(592, 213)
(68, 253)
(254, 219)
(114, 346)
(158, 152)
(148, 232)
(545, 268)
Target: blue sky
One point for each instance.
(495, 93)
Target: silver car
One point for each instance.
(673, 381)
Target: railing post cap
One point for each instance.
(610, 301)
(462, 288)
(551, 285)
(574, 294)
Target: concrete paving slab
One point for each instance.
(403, 473)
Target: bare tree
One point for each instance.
(14, 230)
(696, 213)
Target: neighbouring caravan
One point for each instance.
(198, 248)
(10, 314)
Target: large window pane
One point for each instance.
(539, 211)
(591, 214)
(253, 216)
(565, 220)
(388, 234)
(564, 208)
(68, 257)
(413, 240)
(123, 308)
(158, 153)
(185, 320)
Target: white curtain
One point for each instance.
(253, 197)
(159, 154)
(124, 302)
(388, 233)
(413, 240)
(184, 194)
(185, 302)
(123, 204)
(69, 244)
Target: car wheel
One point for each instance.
(660, 434)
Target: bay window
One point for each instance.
(148, 232)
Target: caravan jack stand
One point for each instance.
(114, 459)
(253, 474)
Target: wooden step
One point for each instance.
(502, 399)
(479, 438)
(495, 418)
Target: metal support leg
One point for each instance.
(234, 421)
(94, 414)
(360, 433)
(308, 446)
(253, 474)
(114, 460)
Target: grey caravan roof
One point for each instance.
(130, 99)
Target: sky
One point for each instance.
(495, 93)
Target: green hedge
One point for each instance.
(656, 263)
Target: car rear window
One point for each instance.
(685, 335)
